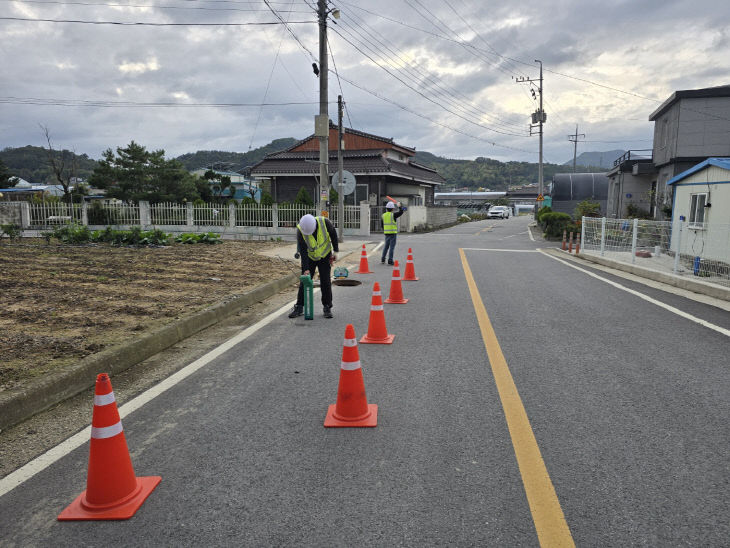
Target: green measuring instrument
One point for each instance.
(308, 286)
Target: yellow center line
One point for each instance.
(550, 524)
(486, 229)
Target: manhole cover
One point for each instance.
(346, 282)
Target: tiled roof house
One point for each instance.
(381, 168)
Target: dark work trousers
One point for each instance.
(389, 245)
(325, 283)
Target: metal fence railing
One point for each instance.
(700, 250)
(254, 215)
(46, 214)
(352, 216)
(169, 214)
(113, 214)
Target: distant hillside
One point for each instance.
(233, 161)
(596, 159)
(31, 163)
(487, 173)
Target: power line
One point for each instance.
(342, 93)
(286, 25)
(134, 104)
(156, 6)
(139, 24)
(423, 116)
(463, 102)
(268, 84)
(422, 94)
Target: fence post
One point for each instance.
(232, 215)
(24, 215)
(145, 219)
(364, 219)
(582, 233)
(679, 248)
(85, 213)
(633, 241)
(189, 214)
(275, 216)
(603, 236)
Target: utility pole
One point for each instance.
(322, 122)
(574, 139)
(539, 117)
(341, 186)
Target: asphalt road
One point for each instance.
(628, 408)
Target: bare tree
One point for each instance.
(63, 164)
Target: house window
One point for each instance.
(697, 210)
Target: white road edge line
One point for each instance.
(660, 304)
(27, 471)
(494, 249)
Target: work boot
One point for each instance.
(327, 311)
(296, 311)
(390, 262)
(382, 260)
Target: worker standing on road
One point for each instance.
(390, 228)
(317, 245)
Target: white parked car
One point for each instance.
(498, 211)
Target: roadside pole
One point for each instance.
(340, 179)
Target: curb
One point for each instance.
(16, 405)
(670, 279)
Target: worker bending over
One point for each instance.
(390, 229)
(317, 245)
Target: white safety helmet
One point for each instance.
(308, 224)
(390, 205)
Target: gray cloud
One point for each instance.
(647, 47)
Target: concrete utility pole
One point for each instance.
(341, 186)
(538, 119)
(574, 139)
(322, 122)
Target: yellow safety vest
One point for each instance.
(389, 226)
(319, 247)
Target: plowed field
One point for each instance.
(59, 303)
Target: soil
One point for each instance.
(59, 303)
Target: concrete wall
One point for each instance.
(440, 216)
(620, 186)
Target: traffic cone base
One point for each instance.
(410, 273)
(396, 289)
(80, 509)
(369, 420)
(364, 268)
(387, 340)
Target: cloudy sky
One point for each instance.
(439, 75)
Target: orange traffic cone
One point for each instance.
(112, 490)
(352, 407)
(410, 273)
(364, 267)
(396, 289)
(377, 332)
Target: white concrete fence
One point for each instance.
(234, 221)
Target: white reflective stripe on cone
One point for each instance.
(107, 431)
(350, 366)
(376, 307)
(350, 342)
(377, 294)
(104, 399)
(409, 261)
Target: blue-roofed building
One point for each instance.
(702, 205)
